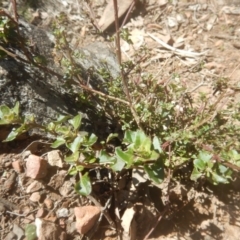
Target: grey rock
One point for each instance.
(42, 93)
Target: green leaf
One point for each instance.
(75, 169)
(118, 165)
(30, 232)
(91, 140)
(139, 139)
(105, 158)
(61, 119)
(145, 142)
(58, 142)
(157, 144)
(200, 164)
(51, 126)
(62, 130)
(125, 156)
(4, 110)
(195, 174)
(204, 156)
(129, 137)
(155, 171)
(154, 156)
(84, 186)
(73, 158)
(76, 122)
(218, 179)
(111, 136)
(4, 121)
(75, 145)
(11, 136)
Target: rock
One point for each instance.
(36, 167)
(35, 197)
(86, 217)
(42, 92)
(17, 166)
(34, 187)
(48, 203)
(47, 230)
(55, 158)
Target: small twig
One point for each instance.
(15, 10)
(157, 222)
(128, 12)
(90, 234)
(175, 50)
(118, 46)
(93, 18)
(103, 209)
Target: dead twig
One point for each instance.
(123, 76)
(103, 209)
(175, 50)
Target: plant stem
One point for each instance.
(123, 76)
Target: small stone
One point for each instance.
(41, 213)
(86, 217)
(34, 187)
(62, 213)
(35, 197)
(36, 167)
(48, 203)
(55, 158)
(17, 166)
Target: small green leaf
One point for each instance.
(129, 137)
(30, 232)
(195, 174)
(61, 119)
(205, 156)
(11, 136)
(118, 165)
(58, 142)
(139, 140)
(157, 144)
(51, 126)
(126, 156)
(62, 130)
(73, 158)
(75, 145)
(218, 179)
(111, 136)
(155, 171)
(84, 186)
(75, 169)
(105, 158)
(200, 164)
(4, 121)
(4, 110)
(91, 140)
(76, 122)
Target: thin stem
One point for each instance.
(123, 76)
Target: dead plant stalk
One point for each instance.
(119, 56)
